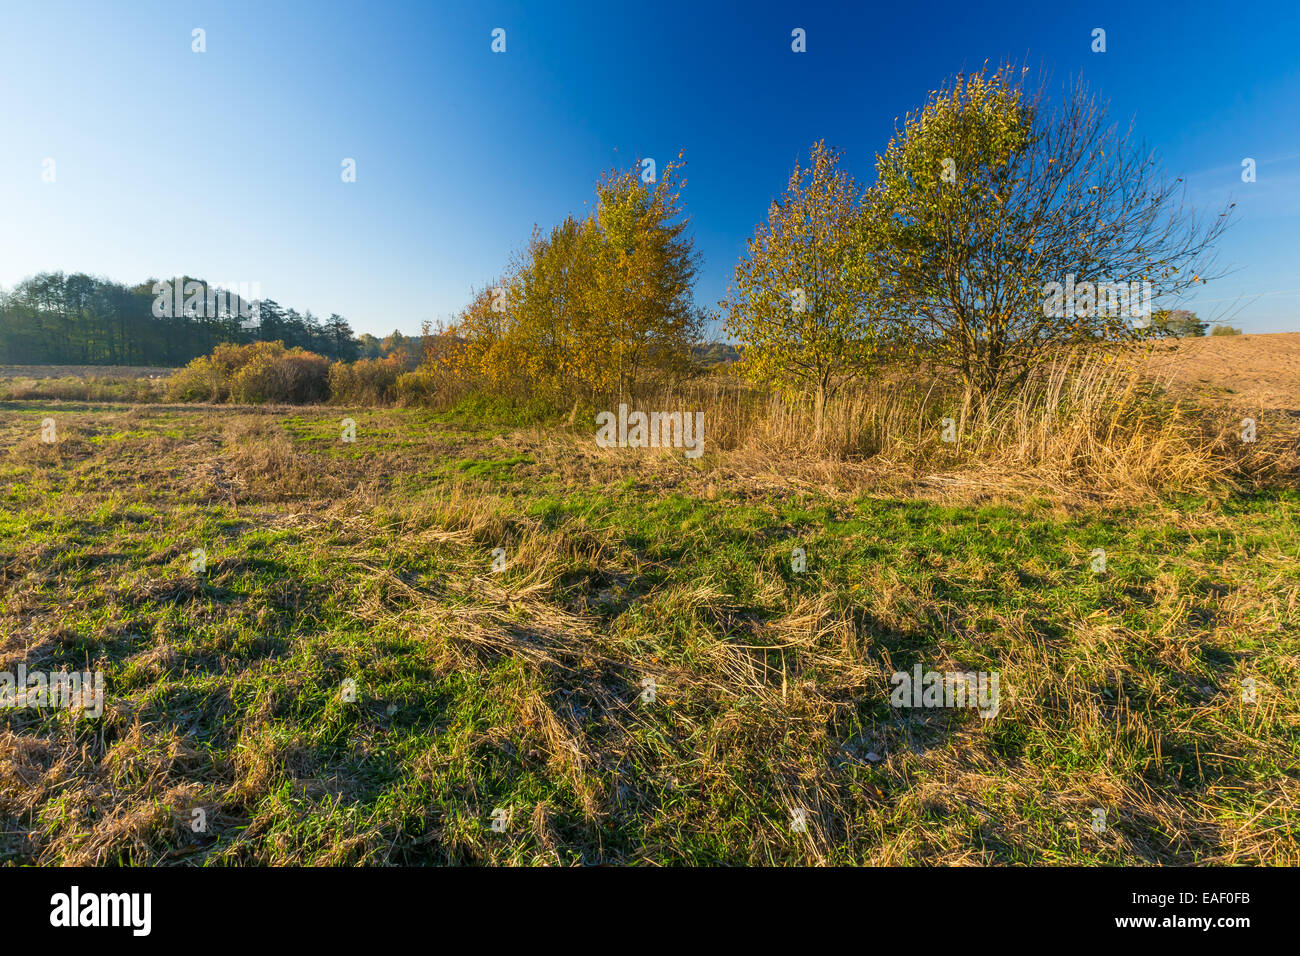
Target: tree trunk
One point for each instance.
(819, 410)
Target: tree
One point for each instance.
(594, 308)
(314, 336)
(482, 331)
(646, 268)
(552, 331)
(999, 220)
(1178, 323)
(273, 324)
(406, 348)
(369, 346)
(342, 346)
(802, 302)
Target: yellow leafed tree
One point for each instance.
(802, 302)
(596, 307)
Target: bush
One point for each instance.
(294, 377)
(366, 381)
(432, 386)
(253, 374)
(1224, 330)
(200, 381)
(420, 387)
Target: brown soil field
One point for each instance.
(84, 371)
(1251, 373)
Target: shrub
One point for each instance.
(366, 381)
(432, 387)
(295, 377)
(253, 374)
(421, 387)
(200, 381)
(1224, 330)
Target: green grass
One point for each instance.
(371, 562)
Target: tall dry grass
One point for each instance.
(84, 388)
(1084, 419)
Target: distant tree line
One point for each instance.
(57, 318)
(1177, 323)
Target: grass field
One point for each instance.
(85, 383)
(350, 680)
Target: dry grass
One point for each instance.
(521, 689)
(1093, 426)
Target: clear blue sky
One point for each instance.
(226, 164)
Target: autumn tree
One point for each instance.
(802, 303)
(646, 271)
(596, 307)
(991, 195)
(488, 349)
(560, 337)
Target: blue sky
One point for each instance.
(226, 164)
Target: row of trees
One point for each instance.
(76, 319)
(982, 199)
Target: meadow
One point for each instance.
(467, 637)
